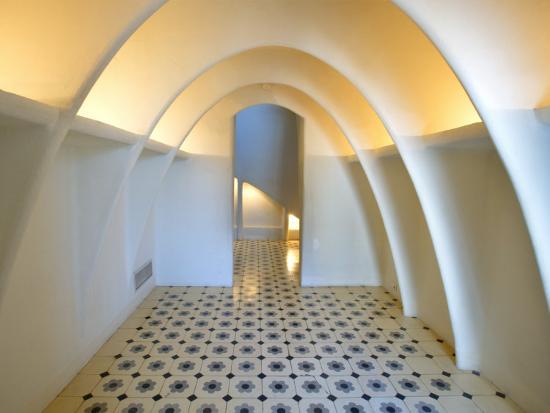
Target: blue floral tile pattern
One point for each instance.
(268, 345)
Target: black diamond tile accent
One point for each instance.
(433, 396)
(399, 396)
(166, 375)
(262, 398)
(467, 395)
(297, 398)
(104, 374)
(122, 397)
(87, 396)
(227, 397)
(331, 397)
(136, 374)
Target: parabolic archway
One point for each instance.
(79, 189)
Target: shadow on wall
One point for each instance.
(267, 170)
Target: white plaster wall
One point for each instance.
(141, 188)
(54, 324)
(262, 217)
(405, 212)
(338, 243)
(374, 218)
(338, 246)
(500, 53)
(511, 322)
(146, 249)
(266, 153)
(194, 240)
(101, 169)
(22, 145)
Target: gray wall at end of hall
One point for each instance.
(266, 153)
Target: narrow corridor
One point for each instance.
(268, 345)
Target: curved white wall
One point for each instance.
(336, 237)
(499, 52)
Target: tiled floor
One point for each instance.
(267, 344)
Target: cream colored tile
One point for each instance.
(424, 365)
(142, 312)
(421, 334)
(98, 365)
(447, 364)
(133, 322)
(436, 348)
(474, 385)
(123, 334)
(111, 348)
(458, 404)
(495, 404)
(64, 405)
(82, 384)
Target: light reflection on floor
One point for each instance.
(268, 345)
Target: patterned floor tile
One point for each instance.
(267, 345)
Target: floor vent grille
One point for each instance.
(143, 274)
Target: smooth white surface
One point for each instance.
(261, 212)
(73, 321)
(499, 51)
(266, 152)
(194, 238)
(415, 256)
(340, 225)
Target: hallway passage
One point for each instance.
(268, 345)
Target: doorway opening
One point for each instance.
(267, 179)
